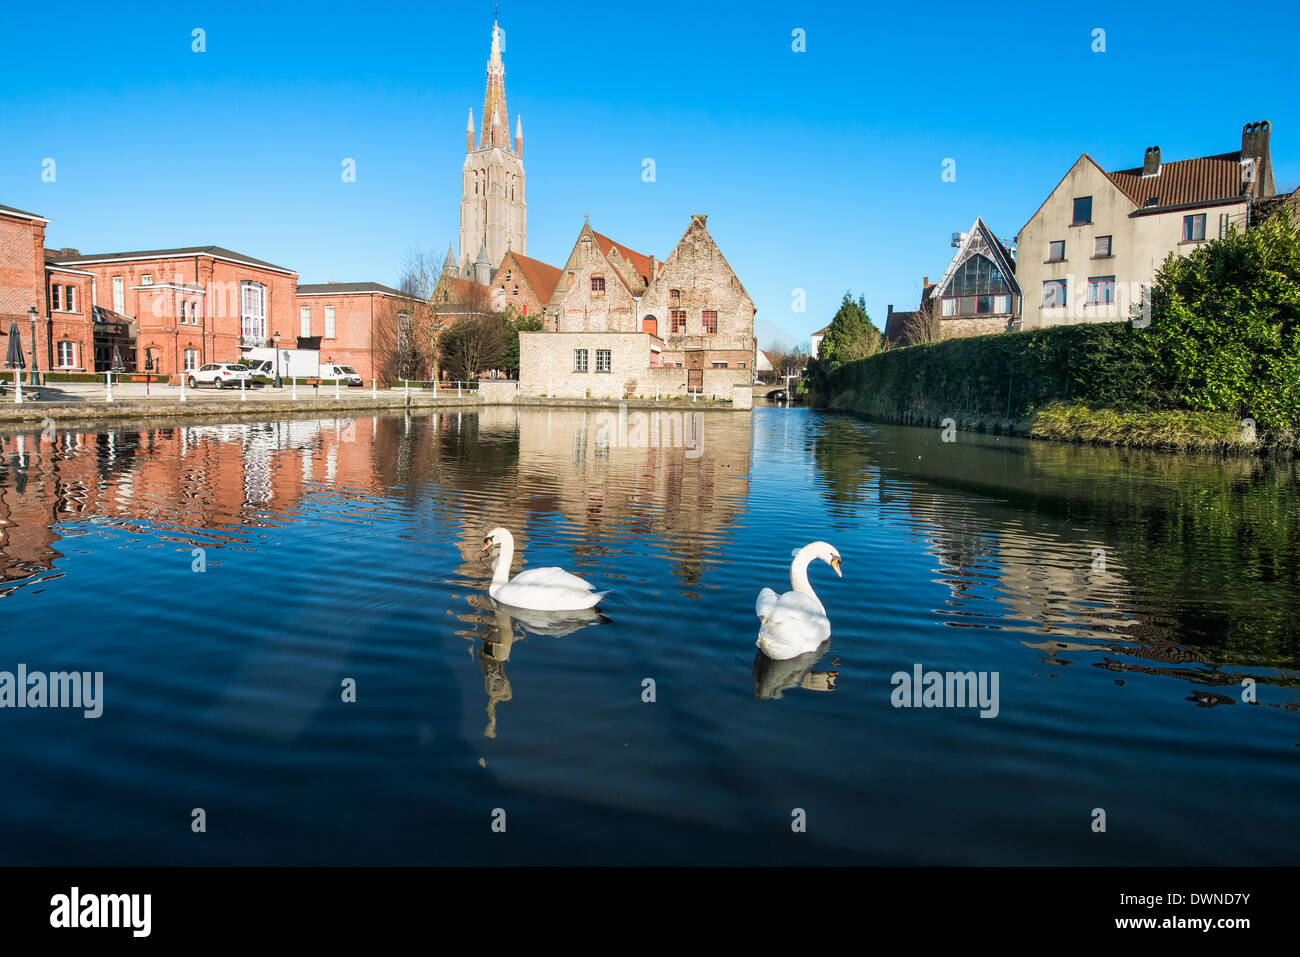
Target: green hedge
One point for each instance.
(1006, 375)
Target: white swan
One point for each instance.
(795, 623)
(539, 589)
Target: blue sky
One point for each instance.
(819, 170)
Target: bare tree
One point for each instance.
(406, 334)
(923, 326)
(474, 344)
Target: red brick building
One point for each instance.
(351, 320)
(22, 278)
(183, 307)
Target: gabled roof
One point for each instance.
(543, 277)
(1206, 179)
(23, 213)
(823, 330)
(980, 240)
(340, 288)
(640, 262)
(217, 252)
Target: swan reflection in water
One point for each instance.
(773, 676)
(500, 637)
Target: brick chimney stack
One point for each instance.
(1151, 161)
(1256, 160)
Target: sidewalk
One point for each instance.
(75, 401)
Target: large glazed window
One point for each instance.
(977, 289)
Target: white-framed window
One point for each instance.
(579, 360)
(119, 294)
(67, 354)
(191, 359)
(603, 363)
(190, 312)
(63, 298)
(252, 304)
(304, 321)
(146, 279)
(329, 322)
(1054, 294)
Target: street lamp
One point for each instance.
(148, 368)
(36, 366)
(279, 383)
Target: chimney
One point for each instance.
(1256, 161)
(925, 282)
(1151, 161)
(654, 267)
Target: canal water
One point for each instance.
(300, 663)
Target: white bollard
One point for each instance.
(373, 393)
(406, 392)
(183, 398)
(294, 381)
(18, 388)
(458, 388)
(336, 388)
(243, 396)
(108, 380)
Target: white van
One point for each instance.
(329, 371)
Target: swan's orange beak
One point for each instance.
(835, 564)
(487, 543)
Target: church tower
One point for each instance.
(493, 215)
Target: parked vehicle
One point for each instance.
(330, 371)
(295, 363)
(259, 373)
(220, 375)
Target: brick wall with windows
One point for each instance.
(22, 277)
(201, 300)
(70, 328)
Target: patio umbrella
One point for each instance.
(14, 358)
(118, 364)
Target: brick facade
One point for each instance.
(22, 279)
(364, 315)
(191, 300)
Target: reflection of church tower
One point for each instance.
(492, 210)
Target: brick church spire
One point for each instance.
(495, 121)
(493, 213)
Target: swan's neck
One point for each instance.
(501, 570)
(799, 573)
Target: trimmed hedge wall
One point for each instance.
(1006, 376)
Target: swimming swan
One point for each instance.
(539, 589)
(795, 623)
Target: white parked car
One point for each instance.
(220, 375)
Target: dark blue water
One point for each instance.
(336, 551)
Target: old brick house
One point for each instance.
(627, 323)
(351, 323)
(184, 307)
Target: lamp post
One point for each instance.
(148, 368)
(36, 366)
(279, 383)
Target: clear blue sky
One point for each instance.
(819, 170)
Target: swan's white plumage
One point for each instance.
(795, 623)
(538, 589)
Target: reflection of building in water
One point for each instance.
(195, 484)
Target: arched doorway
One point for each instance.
(651, 325)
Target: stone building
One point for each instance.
(977, 294)
(1098, 239)
(628, 324)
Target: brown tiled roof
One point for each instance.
(1206, 179)
(639, 261)
(465, 289)
(896, 327)
(543, 277)
(343, 288)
